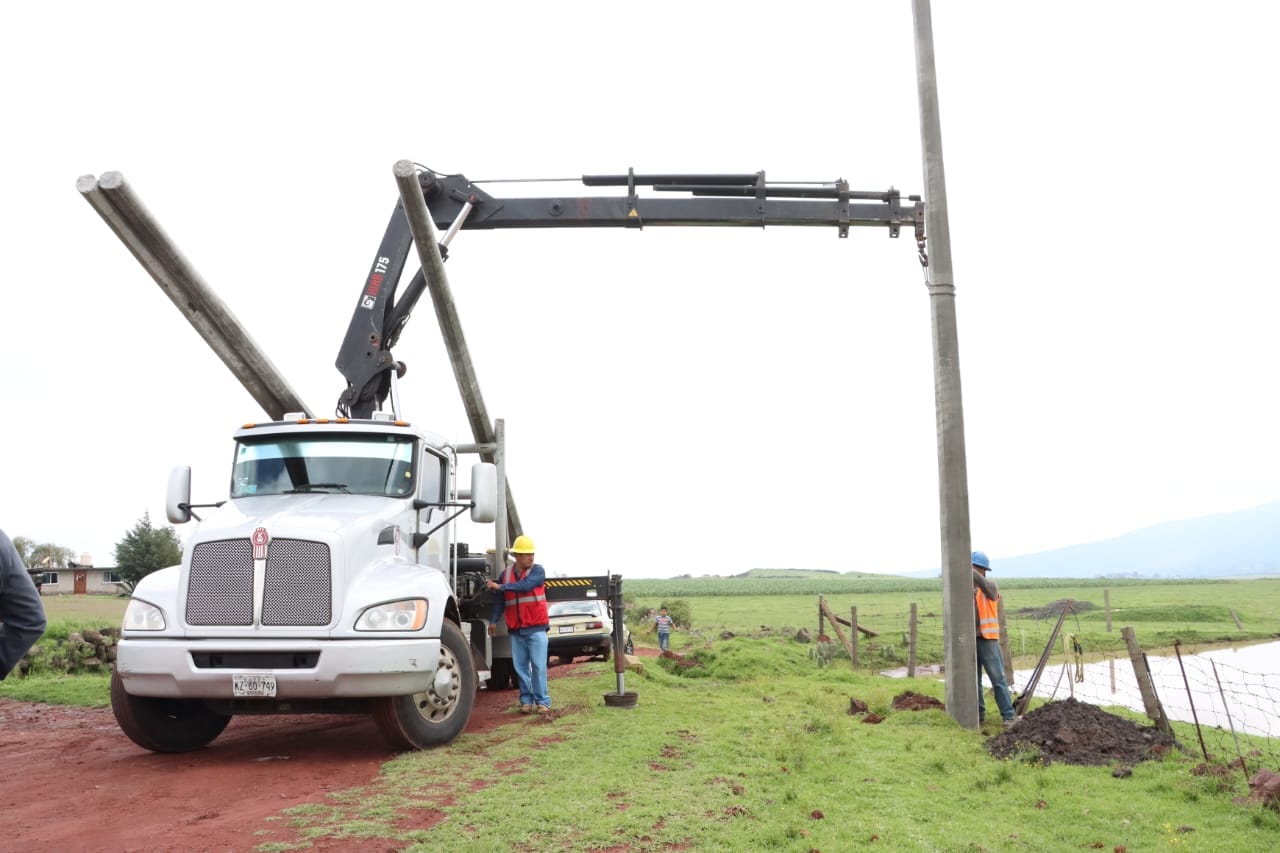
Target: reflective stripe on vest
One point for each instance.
(988, 616)
(523, 609)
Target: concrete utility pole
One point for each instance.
(128, 217)
(953, 483)
(424, 237)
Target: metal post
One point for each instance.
(953, 486)
(424, 238)
(500, 538)
(126, 215)
(911, 643)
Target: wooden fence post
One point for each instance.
(835, 623)
(853, 635)
(1150, 701)
(1106, 601)
(1239, 627)
(1005, 656)
(911, 643)
(821, 607)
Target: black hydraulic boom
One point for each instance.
(454, 202)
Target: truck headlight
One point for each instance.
(141, 616)
(408, 615)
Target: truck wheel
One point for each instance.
(440, 713)
(164, 725)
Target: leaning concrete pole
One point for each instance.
(953, 484)
(424, 238)
(125, 214)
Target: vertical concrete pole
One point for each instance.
(953, 486)
(424, 238)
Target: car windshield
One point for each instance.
(573, 608)
(373, 464)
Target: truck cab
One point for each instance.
(326, 583)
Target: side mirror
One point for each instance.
(178, 498)
(484, 492)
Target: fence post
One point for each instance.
(1106, 600)
(1005, 656)
(1239, 627)
(911, 643)
(821, 607)
(1150, 701)
(853, 635)
(835, 623)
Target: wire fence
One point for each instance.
(1231, 695)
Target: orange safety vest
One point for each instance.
(988, 615)
(524, 609)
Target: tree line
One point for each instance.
(144, 549)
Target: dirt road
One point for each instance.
(73, 782)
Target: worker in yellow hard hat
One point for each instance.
(524, 605)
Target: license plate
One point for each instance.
(566, 629)
(253, 685)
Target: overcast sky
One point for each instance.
(676, 400)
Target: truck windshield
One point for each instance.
(349, 464)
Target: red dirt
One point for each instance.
(73, 782)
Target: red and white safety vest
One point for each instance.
(524, 609)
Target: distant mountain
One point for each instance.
(1230, 544)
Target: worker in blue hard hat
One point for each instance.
(986, 608)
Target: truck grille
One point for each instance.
(297, 588)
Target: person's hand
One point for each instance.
(493, 584)
(493, 630)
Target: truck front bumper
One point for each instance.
(344, 669)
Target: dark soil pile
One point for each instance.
(1054, 608)
(1079, 733)
(912, 701)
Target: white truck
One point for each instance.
(324, 584)
(331, 579)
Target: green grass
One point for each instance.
(753, 749)
(760, 754)
(92, 691)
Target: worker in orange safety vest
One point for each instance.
(986, 608)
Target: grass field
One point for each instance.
(752, 747)
(1197, 614)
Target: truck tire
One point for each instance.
(164, 725)
(426, 719)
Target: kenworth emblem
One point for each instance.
(260, 540)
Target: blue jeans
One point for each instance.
(664, 641)
(990, 659)
(529, 657)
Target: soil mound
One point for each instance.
(1054, 608)
(1076, 732)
